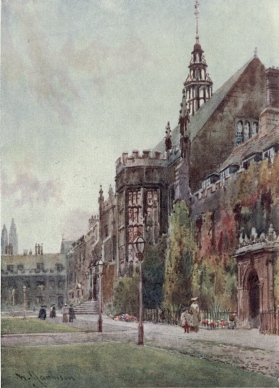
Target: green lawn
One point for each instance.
(117, 365)
(32, 325)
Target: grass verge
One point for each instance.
(118, 365)
(32, 325)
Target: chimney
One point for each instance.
(42, 249)
(269, 118)
(36, 249)
(272, 87)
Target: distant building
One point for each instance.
(44, 275)
(9, 243)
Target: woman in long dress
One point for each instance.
(195, 311)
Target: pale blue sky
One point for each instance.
(84, 81)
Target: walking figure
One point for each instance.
(186, 320)
(195, 311)
(52, 311)
(72, 314)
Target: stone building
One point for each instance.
(222, 159)
(44, 275)
(99, 243)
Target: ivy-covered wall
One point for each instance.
(247, 199)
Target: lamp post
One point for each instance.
(13, 297)
(100, 265)
(24, 302)
(139, 245)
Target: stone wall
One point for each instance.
(215, 141)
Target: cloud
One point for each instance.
(75, 224)
(101, 63)
(27, 189)
(113, 6)
(31, 61)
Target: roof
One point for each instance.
(254, 145)
(49, 260)
(206, 110)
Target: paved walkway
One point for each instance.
(246, 349)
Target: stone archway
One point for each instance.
(253, 288)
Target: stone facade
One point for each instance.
(257, 262)
(44, 275)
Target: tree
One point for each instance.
(153, 269)
(126, 296)
(179, 258)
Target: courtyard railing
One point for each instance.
(209, 319)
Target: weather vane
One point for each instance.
(196, 13)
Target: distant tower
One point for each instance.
(168, 143)
(62, 247)
(13, 240)
(198, 85)
(4, 240)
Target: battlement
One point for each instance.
(147, 157)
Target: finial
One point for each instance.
(196, 13)
(256, 52)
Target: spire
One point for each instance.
(168, 142)
(13, 238)
(196, 13)
(256, 52)
(198, 85)
(4, 240)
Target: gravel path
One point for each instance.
(246, 349)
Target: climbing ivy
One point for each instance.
(179, 258)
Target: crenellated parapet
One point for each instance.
(137, 159)
(230, 173)
(147, 158)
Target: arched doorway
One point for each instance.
(254, 299)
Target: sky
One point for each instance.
(84, 81)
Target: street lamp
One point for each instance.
(139, 245)
(24, 301)
(13, 297)
(100, 265)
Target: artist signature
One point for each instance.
(42, 380)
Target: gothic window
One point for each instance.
(20, 267)
(61, 283)
(114, 247)
(51, 283)
(40, 267)
(40, 284)
(59, 267)
(254, 129)
(10, 268)
(239, 133)
(246, 130)
(106, 231)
